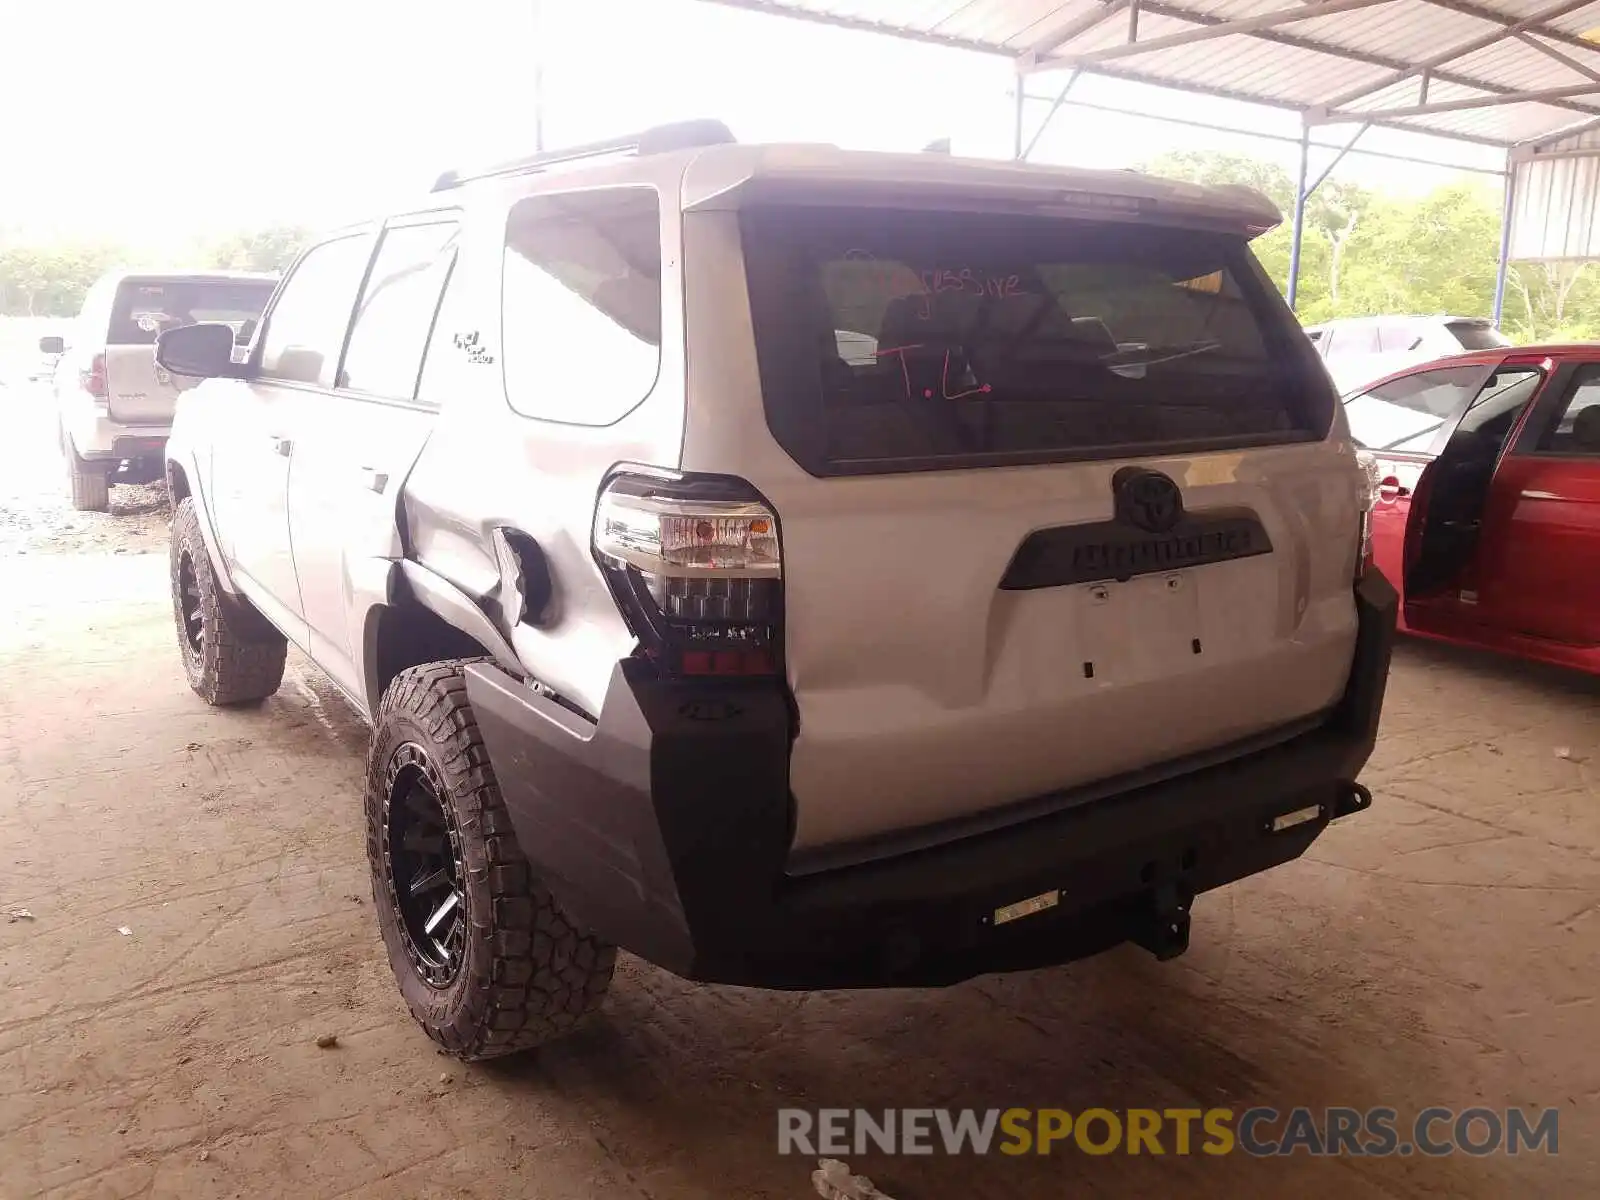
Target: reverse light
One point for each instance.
(696, 569)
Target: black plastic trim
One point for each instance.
(1115, 550)
(666, 829)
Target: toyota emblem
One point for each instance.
(1147, 499)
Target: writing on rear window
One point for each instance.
(892, 340)
(145, 309)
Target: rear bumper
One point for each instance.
(97, 437)
(666, 829)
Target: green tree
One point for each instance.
(51, 280)
(1273, 249)
(267, 250)
(1367, 253)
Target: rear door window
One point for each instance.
(1573, 432)
(898, 340)
(395, 316)
(146, 308)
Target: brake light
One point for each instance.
(92, 378)
(696, 570)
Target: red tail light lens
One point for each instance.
(93, 378)
(696, 569)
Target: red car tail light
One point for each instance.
(92, 378)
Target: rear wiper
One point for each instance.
(1158, 354)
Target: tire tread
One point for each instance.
(524, 989)
(243, 659)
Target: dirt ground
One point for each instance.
(35, 514)
(201, 916)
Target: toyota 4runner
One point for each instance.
(797, 567)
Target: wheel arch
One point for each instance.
(181, 478)
(429, 619)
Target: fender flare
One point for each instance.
(452, 605)
(219, 563)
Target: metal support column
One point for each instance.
(1505, 240)
(1055, 107)
(538, 76)
(1299, 214)
(1016, 127)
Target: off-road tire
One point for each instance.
(525, 974)
(91, 487)
(230, 653)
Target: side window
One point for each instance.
(306, 327)
(1577, 430)
(440, 366)
(390, 334)
(1498, 405)
(1405, 413)
(581, 305)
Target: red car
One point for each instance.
(1488, 511)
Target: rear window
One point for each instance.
(146, 308)
(1474, 336)
(897, 340)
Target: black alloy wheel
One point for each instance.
(191, 612)
(425, 872)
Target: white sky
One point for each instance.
(155, 120)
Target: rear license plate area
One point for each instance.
(1141, 628)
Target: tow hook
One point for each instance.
(1165, 928)
(1353, 798)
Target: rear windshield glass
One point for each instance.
(147, 308)
(1473, 336)
(895, 340)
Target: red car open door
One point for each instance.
(1452, 498)
(1541, 534)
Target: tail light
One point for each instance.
(696, 569)
(92, 378)
(1369, 501)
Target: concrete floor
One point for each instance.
(1443, 948)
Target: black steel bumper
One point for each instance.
(666, 829)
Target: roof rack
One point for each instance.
(660, 139)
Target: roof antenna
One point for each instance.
(938, 146)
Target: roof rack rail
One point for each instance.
(660, 139)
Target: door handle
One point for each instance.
(374, 481)
(282, 446)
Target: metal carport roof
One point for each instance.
(1500, 72)
(1523, 75)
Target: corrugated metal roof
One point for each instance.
(1363, 58)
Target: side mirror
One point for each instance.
(52, 345)
(200, 351)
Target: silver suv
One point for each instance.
(799, 568)
(114, 404)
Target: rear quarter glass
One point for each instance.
(896, 340)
